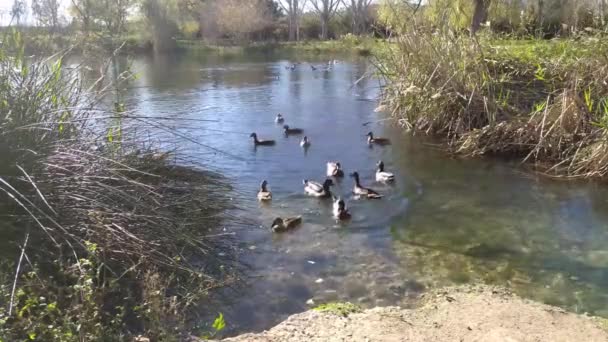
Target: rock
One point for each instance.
(482, 314)
(310, 302)
(319, 281)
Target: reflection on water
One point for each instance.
(445, 221)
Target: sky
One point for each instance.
(6, 5)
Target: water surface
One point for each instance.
(446, 221)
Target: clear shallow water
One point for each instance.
(445, 221)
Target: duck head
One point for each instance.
(277, 223)
(341, 205)
(253, 135)
(370, 135)
(380, 166)
(328, 182)
(286, 127)
(355, 175)
(263, 185)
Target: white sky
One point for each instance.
(6, 5)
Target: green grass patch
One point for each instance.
(339, 308)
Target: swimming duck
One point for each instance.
(264, 194)
(383, 176)
(289, 131)
(378, 141)
(317, 189)
(362, 191)
(257, 142)
(305, 142)
(279, 118)
(339, 211)
(313, 68)
(334, 169)
(281, 225)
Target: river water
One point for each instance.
(445, 221)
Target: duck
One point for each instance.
(339, 210)
(317, 189)
(281, 225)
(362, 191)
(257, 142)
(264, 194)
(313, 68)
(334, 169)
(383, 176)
(279, 118)
(305, 142)
(289, 131)
(378, 141)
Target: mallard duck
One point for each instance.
(289, 131)
(339, 211)
(264, 194)
(279, 118)
(281, 225)
(378, 141)
(362, 191)
(257, 142)
(383, 176)
(334, 169)
(305, 142)
(317, 189)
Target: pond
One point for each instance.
(445, 221)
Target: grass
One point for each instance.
(339, 308)
(543, 102)
(108, 237)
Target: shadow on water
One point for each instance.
(445, 221)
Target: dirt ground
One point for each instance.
(467, 314)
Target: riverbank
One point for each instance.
(469, 313)
(540, 101)
(362, 46)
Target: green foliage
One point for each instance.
(339, 308)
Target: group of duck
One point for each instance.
(322, 190)
(328, 67)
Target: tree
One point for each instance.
(359, 11)
(326, 10)
(480, 14)
(239, 18)
(18, 11)
(46, 13)
(106, 18)
(294, 10)
(161, 20)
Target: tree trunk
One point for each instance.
(324, 23)
(292, 28)
(602, 13)
(539, 20)
(479, 15)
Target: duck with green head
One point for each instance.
(361, 191)
(264, 194)
(382, 175)
(334, 169)
(340, 212)
(316, 189)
